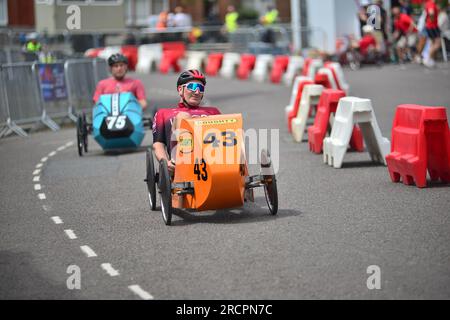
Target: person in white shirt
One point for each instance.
(181, 19)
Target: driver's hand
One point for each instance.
(171, 167)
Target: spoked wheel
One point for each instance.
(165, 189)
(270, 182)
(150, 179)
(80, 136)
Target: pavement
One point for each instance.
(92, 215)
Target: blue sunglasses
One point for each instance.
(194, 86)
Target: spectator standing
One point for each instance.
(433, 32)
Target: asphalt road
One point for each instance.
(332, 224)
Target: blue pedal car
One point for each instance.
(117, 123)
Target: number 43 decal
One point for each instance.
(201, 174)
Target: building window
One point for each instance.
(144, 12)
(90, 2)
(3, 12)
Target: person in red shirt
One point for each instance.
(191, 89)
(432, 31)
(368, 43)
(118, 83)
(405, 33)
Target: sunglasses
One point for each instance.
(194, 86)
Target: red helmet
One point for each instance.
(190, 75)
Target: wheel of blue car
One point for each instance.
(165, 189)
(85, 132)
(150, 179)
(80, 139)
(270, 182)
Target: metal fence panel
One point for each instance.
(22, 92)
(101, 69)
(3, 109)
(81, 82)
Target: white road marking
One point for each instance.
(141, 293)
(46, 208)
(36, 178)
(69, 144)
(37, 187)
(61, 148)
(110, 270)
(70, 234)
(57, 220)
(88, 251)
(36, 172)
(51, 154)
(39, 165)
(44, 159)
(42, 196)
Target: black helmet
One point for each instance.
(190, 75)
(116, 58)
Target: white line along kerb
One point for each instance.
(88, 251)
(44, 159)
(39, 165)
(51, 154)
(69, 144)
(110, 270)
(36, 178)
(37, 187)
(57, 220)
(36, 172)
(42, 196)
(70, 234)
(61, 148)
(141, 293)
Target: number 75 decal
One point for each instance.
(117, 123)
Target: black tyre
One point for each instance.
(151, 181)
(270, 182)
(165, 189)
(80, 139)
(85, 133)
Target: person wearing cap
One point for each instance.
(191, 89)
(119, 83)
(368, 43)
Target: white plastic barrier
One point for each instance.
(262, 67)
(314, 66)
(310, 96)
(149, 56)
(294, 93)
(351, 111)
(108, 52)
(294, 68)
(230, 64)
(196, 60)
(339, 73)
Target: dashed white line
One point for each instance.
(88, 251)
(37, 187)
(57, 220)
(61, 148)
(110, 270)
(70, 234)
(36, 178)
(141, 293)
(46, 208)
(44, 159)
(69, 144)
(36, 172)
(39, 165)
(42, 196)
(51, 154)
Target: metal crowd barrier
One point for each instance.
(32, 93)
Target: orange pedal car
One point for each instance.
(210, 169)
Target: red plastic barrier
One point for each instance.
(214, 64)
(246, 66)
(168, 61)
(323, 80)
(327, 104)
(305, 71)
(131, 52)
(93, 53)
(328, 66)
(420, 141)
(178, 47)
(298, 98)
(279, 67)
